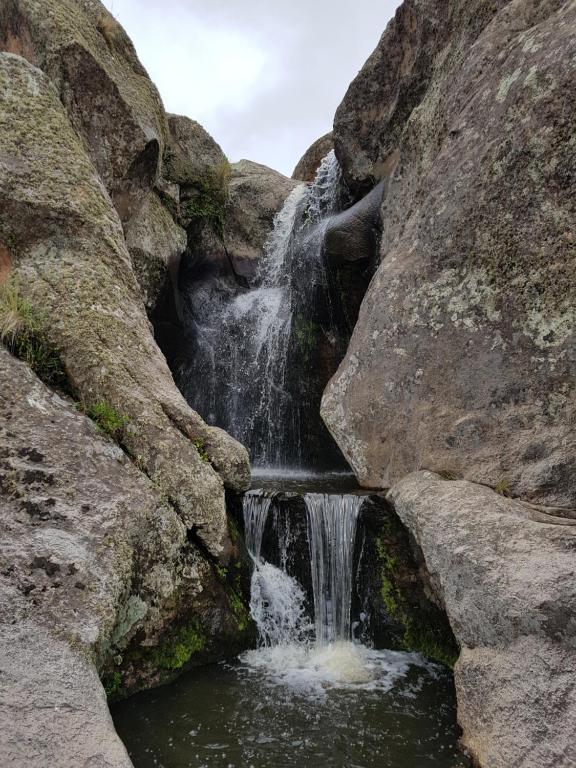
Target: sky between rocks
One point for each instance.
(264, 78)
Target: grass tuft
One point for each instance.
(107, 418)
(22, 333)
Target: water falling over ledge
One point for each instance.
(261, 357)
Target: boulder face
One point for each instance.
(70, 261)
(504, 573)
(97, 578)
(463, 358)
(106, 92)
(311, 159)
(257, 193)
(156, 244)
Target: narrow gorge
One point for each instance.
(287, 465)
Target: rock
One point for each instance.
(71, 263)
(191, 153)
(108, 96)
(353, 235)
(52, 705)
(257, 194)
(310, 161)
(97, 574)
(156, 244)
(507, 585)
(463, 356)
(351, 248)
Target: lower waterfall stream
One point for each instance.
(308, 693)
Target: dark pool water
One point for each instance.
(279, 712)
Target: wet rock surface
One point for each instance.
(506, 581)
(463, 356)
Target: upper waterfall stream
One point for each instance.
(260, 356)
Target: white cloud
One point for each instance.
(265, 83)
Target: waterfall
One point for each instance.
(262, 356)
(332, 528)
(277, 600)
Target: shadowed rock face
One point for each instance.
(310, 161)
(97, 576)
(463, 356)
(507, 585)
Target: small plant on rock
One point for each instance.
(107, 418)
(22, 333)
(201, 448)
(503, 487)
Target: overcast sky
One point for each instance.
(263, 78)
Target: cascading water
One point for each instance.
(278, 602)
(253, 352)
(332, 524)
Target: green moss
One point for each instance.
(112, 683)
(106, 418)
(234, 535)
(178, 651)
(201, 448)
(422, 628)
(22, 332)
(222, 572)
(306, 333)
(204, 198)
(239, 609)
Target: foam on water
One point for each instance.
(342, 665)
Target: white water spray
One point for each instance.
(278, 602)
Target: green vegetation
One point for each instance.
(306, 332)
(221, 572)
(422, 627)
(178, 651)
(201, 448)
(112, 683)
(22, 331)
(205, 198)
(106, 418)
(503, 487)
(239, 609)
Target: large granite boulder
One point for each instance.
(97, 578)
(310, 161)
(257, 193)
(107, 94)
(504, 572)
(463, 358)
(70, 262)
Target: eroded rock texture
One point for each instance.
(97, 576)
(463, 358)
(505, 576)
(71, 262)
